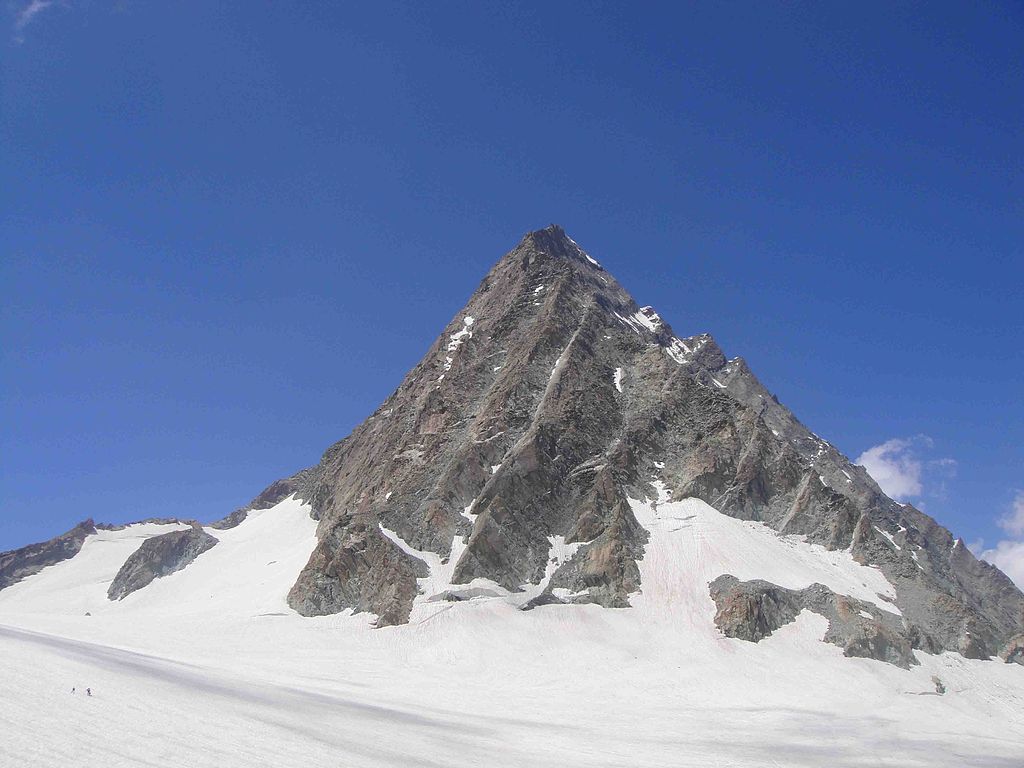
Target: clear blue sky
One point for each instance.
(227, 232)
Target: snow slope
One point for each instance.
(208, 667)
(80, 584)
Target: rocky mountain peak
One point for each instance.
(526, 456)
(548, 406)
(554, 242)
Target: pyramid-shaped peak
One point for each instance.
(559, 448)
(553, 241)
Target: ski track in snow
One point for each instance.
(209, 667)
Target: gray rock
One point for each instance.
(356, 566)
(1013, 651)
(752, 610)
(157, 557)
(544, 598)
(20, 563)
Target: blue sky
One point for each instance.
(227, 232)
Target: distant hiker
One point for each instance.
(72, 689)
(88, 691)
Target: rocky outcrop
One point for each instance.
(358, 567)
(157, 557)
(27, 561)
(298, 484)
(460, 595)
(145, 521)
(753, 610)
(550, 399)
(1013, 651)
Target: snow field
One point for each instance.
(208, 667)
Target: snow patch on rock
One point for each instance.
(456, 340)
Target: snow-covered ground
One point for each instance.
(209, 667)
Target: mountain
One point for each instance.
(547, 403)
(562, 464)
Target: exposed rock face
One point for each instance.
(20, 563)
(550, 399)
(157, 557)
(752, 610)
(356, 567)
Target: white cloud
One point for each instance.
(902, 470)
(29, 12)
(1008, 554)
(894, 467)
(27, 15)
(1013, 522)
